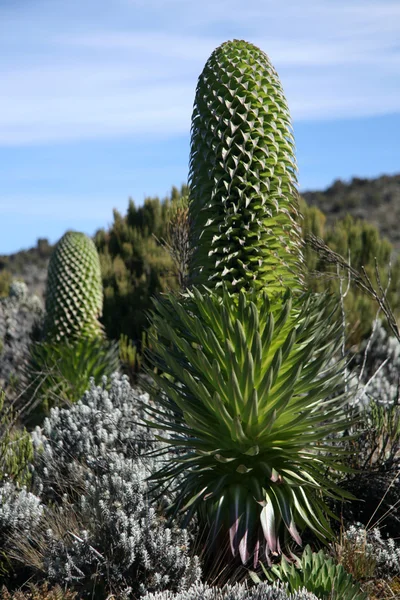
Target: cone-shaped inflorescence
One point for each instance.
(74, 294)
(243, 203)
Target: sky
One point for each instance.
(96, 98)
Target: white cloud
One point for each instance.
(87, 79)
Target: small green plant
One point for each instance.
(132, 356)
(319, 574)
(16, 450)
(5, 282)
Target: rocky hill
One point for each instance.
(375, 200)
(28, 265)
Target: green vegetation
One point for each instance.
(129, 284)
(135, 265)
(360, 244)
(376, 201)
(5, 282)
(16, 450)
(74, 348)
(59, 373)
(319, 574)
(257, 428)
(243, 389)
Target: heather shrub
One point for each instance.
(367, 554)
(234, 592)
(359, 243)
(16, 449)
(102, 530)
(42, 592)
(19, 509)
(135, 265)
(20, 313)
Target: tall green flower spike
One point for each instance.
(243, 202)
(74, 294)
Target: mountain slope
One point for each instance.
(375, 200)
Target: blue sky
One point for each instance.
(96, 98)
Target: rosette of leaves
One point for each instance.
(319, 574)
(74, 293)
(242, 384)
(60, 373)
(243, 195)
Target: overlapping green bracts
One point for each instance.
(242, 391)
(74, 294)
(243, 195)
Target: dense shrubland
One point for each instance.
(265, 411)
(135, 265)
(374, 200)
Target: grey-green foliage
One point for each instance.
(118, 541)
(19, 510)
(234, 592)
(103, 423)
(374, 383)
(381, 369)
(20, 513)
(91, 470)
(319, 574)
(384, 552)
(19, 313)
(74, 292)
(243, 196)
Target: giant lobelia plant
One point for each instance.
(73, 348)
(247, 373)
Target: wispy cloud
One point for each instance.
(82, 77)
